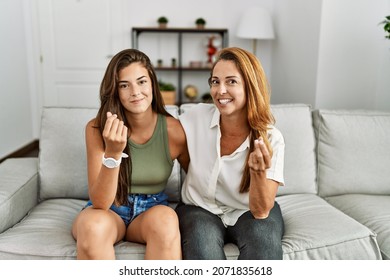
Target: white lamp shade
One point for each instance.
(256, 23)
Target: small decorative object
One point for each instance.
(196, 64)
(168, 92)
(162, 22)
(200, 23)
(211, 50)
(159, 62)
(386, 26)
(191, 92)
(173, 64)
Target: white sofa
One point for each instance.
(335, 202)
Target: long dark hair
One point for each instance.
(110, 102)
(258, 99)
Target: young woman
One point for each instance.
(131, 145)
(236, 166)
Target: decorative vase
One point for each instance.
(169, 97)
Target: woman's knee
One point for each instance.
(162, 222)
(259, 239)
(94, 224)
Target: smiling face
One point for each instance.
(135, 88)
(227, 88)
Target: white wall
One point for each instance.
(354, 57)
(331, 54)
(16, 126)
(295, 52)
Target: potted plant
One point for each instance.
(162, 22)
(168, 92)
(386, 26)
(206, 98)
(200, 23)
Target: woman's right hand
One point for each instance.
(259, 159)
(114, 136)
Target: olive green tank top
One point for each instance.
(151, 162)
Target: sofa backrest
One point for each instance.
(352, 152)
(295, 123)
(62, 156)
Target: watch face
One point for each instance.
(110, 163)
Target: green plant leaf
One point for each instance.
(166, 86)
(162, 19)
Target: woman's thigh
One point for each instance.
(202, 233)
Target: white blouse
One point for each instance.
(212, 182)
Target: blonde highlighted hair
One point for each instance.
(258, 99)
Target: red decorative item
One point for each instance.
(211, 49)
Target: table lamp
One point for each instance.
(256, 24)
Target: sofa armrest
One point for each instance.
(18, 190)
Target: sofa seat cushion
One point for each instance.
(371, 210)
(45, 233)
(314, 229)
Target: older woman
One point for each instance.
(236, 166)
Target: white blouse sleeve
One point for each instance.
(276, 171)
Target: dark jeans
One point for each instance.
(203, 235)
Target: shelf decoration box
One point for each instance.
(169, 97)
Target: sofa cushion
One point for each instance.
(295, 123)
(371, 210)
(62, 156)
(353, 152)
(316, 230)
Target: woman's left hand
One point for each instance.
(259, 159)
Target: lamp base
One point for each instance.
(254, 43)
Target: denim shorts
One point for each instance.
(138, 203)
